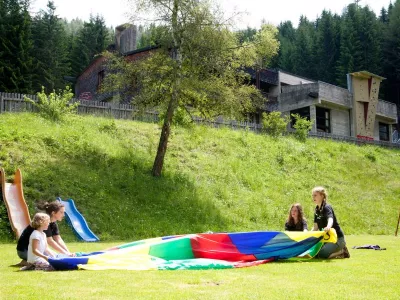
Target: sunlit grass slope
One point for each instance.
(214, 179)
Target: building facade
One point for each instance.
(355, 111)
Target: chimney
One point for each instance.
(125, 38)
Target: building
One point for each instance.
(355, 111)
(89, 81)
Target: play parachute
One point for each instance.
(201, 251)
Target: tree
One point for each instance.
(50, 50)
(391, 55)
(246, 35)
(304, 51)
(370, 36)
(350, 46)
(15, 46)
(360, 42)
(327, 41)
(198, 68)
(383, 17)
(90, 40)
(302, 126)
(274, 124)
(285, 58)
(151, 35)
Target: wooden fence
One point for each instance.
(12, 102)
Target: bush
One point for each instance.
(302, 126)
(274, 124)
(5, 228)
(55, 106)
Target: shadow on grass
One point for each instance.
(305, 260)
(120, 199)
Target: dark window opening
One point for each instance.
(253, 117)
(100, 78)
(323, 120)
(383, 132)
(303, 112)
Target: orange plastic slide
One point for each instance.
(13, 197)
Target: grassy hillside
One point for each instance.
(214, 179)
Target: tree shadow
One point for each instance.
(120, 199)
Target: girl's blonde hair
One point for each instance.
(39, 219)
(322, 191)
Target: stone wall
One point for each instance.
(128, 40)
(334, 94)
(297, 96)
(125, 38)
(340, 122)
(387, 109)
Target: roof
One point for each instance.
(366, 75)
(148, 48)
(298, 76)
(266, 75)
(97, 57)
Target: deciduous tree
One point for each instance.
(198, 67)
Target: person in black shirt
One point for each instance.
(296, 220)
(325, 219)
(56, 212)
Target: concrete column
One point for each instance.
(313, 117)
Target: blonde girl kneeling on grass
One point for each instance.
(325, 219)
(38, 250)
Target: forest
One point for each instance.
(46, 50)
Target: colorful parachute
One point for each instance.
(201, 251)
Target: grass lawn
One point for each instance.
(368, 274)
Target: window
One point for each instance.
(383, 132)
(100, 78)
(253, 118)
(303, 112)
(323, 120)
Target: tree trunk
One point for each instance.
(162, 146)
(166, 129)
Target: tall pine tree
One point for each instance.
(304, 51)
(50, 50)
(327, 45)
(350, 46)
(91, 40)
(285, 57)
(15, 46)
(391, 55)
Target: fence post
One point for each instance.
(1, 104)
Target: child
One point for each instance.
(56, 212)
(296, 220)
(38, 250)
(325, 219)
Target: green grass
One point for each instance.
(368, 274)
(214, 179)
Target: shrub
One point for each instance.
(274, 124)
(5, 228)
(302, 126)
(55, 106)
